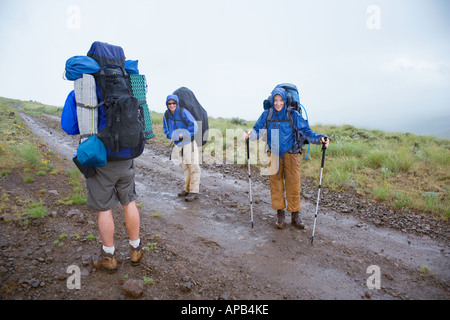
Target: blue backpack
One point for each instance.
(292, 104)
(293, 98)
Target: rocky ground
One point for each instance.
(207, 249)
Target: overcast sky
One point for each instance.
(381, 64)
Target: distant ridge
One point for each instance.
(442, 134)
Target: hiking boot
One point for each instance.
(191, 197)
(183, 193)
(105, 261)
(136, 254)
(296, 221)
(280, 224)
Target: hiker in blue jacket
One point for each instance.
(284, 156)
(180, 127)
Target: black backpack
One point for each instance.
(123, 135)
(189, 102)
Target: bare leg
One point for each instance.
(132, 220)
(106, 227)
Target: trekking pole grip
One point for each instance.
(323, 152)
(248, 147)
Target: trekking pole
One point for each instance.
(250, 181)
(320, 184)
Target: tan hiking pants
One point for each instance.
(188, 158)
(287, 177)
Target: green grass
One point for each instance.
(28, 179)
(387, 167)
(36, 210)
(148, 280)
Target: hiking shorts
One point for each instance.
(111, 184)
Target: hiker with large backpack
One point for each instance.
(117, 136)
(181, 127)
(287, 131)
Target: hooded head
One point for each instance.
(281, 92)
(172, 97)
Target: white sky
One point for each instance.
(232, 53)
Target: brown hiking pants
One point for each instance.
(288, 176)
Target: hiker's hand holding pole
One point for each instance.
(247, 134)
(325, 141)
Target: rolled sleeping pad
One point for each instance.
(87, 109)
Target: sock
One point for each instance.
(109, 250)
(135, 243)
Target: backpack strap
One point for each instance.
(180, 112)
(269, 118)
(289, 119)
(88, 106)
(297, 148)
(289, 111)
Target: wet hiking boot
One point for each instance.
(105, 261)
(296, 221)
(136, 254)
(191, 197)
(183, 193)
(280, 224)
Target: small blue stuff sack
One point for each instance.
(92, 152)
(77, 65)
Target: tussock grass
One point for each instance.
(29, 154)
(392, 168)
(36, 210)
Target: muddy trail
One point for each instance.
(207, 249)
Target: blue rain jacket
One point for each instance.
(174, 126)
(286, 138)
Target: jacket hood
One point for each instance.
(172, 97)
(282, 93)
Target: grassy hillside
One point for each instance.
(399, 169)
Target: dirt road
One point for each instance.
(207, 249)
